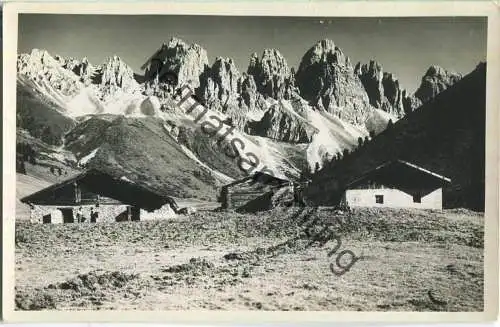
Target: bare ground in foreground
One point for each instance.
(410, 260)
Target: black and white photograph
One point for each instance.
(249, 163)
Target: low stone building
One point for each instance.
(397, 184)
(114, 199)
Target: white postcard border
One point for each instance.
(320, 9)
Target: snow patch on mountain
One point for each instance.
(109, 88)
(84, 103)
(84, 160)
(124, 178)
(334, 135)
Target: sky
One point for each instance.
(404, 46)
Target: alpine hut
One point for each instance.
(79, 198)
(397, 184)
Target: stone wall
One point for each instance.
(164, 212)
(107, 213)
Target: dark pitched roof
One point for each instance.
(103, 184)
(400, 173)
(260, 177)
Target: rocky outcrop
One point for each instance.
(435, 80)
(115, 72)
(410, 102)
(82, 68)
(327, 80)
(382, 88)
(250, 98)
(188, 62)
(224, 89)
(219, 85)
(248, 90)
(281, 122)
(272, 75)
(70, 75)
(79, 88)
(371, 76)
(115, 79)
(40, 67)
(393, 95)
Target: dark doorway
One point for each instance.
(417, 198)
(123, 216)
(136, 213)
(67, 214)
(46, 219)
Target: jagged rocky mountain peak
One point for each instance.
(27, 62)
(114, 71)
(40, 67)
(271, 73)
(371, 76)
(247, 89)
(224, 60)
(219, 83)
(327, 80)
(436, 70)
(382, 87)
(57, 70)
(435, 80)
(245, 82)
(325, 51)
(225, 64)
(187, 61)
(174, 42)
(373, 68)
(39, 53)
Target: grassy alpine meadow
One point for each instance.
(405, 260)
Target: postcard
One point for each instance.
(250, 162)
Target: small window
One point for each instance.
(379, 199)
(417, 198)
(47, 219)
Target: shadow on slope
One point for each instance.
(40, 118)
(446, 135)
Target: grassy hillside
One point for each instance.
(207, 149)
(445, 135)
(143, 150)
(87, 135)
(40, 118)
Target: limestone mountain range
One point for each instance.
(289, 118)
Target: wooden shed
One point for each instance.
(242, 191)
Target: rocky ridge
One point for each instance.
(318, 111)
(281, 122)
(223, 88)
(41, 68)
(383, 88)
